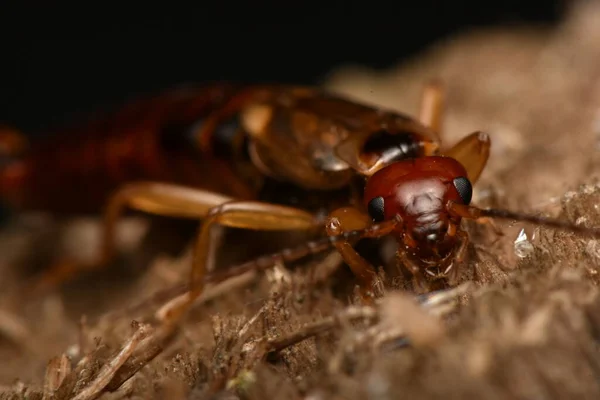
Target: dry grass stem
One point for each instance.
(107, 373)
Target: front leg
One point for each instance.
(347, 219)
(420, 284)
(459, 257)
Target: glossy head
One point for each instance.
(418, 190)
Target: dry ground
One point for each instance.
(525, 323)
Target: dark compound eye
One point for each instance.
(464, 189)
(376, 210)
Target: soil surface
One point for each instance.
(523, 323)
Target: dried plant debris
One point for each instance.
(523, 323)
(535, 339)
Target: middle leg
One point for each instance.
(182, 202)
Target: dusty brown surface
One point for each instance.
(526, 328)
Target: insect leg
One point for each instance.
(343, 220)
(459, 257)
(182, 202)
(246, 215)
(420, 284)
(432, 106)
(151, 197)
(158, 199)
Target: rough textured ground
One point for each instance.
(525, 324)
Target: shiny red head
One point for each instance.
(419, 190)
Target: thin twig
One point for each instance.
(315, 328)
(81, 372)
(154, 344)
(307, 331)
(109, 370)
(209, 293)
(145, 352)
(180, 291)
(242, 333)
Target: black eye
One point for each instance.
(464, 189)
(376, 210)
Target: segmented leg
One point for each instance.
(347, 219)
(459, 257)
(420, 284)
(248, 215)
(183, 202)
(432, 106)
(158, 199)
(474, 213)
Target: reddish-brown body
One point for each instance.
(221, 138)
(75, 168)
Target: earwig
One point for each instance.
(412, 188)
(211, 153)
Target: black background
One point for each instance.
(58, 60)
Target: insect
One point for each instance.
(220, 153)
(221, 138)
(209, 153)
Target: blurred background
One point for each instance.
(58, 60)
